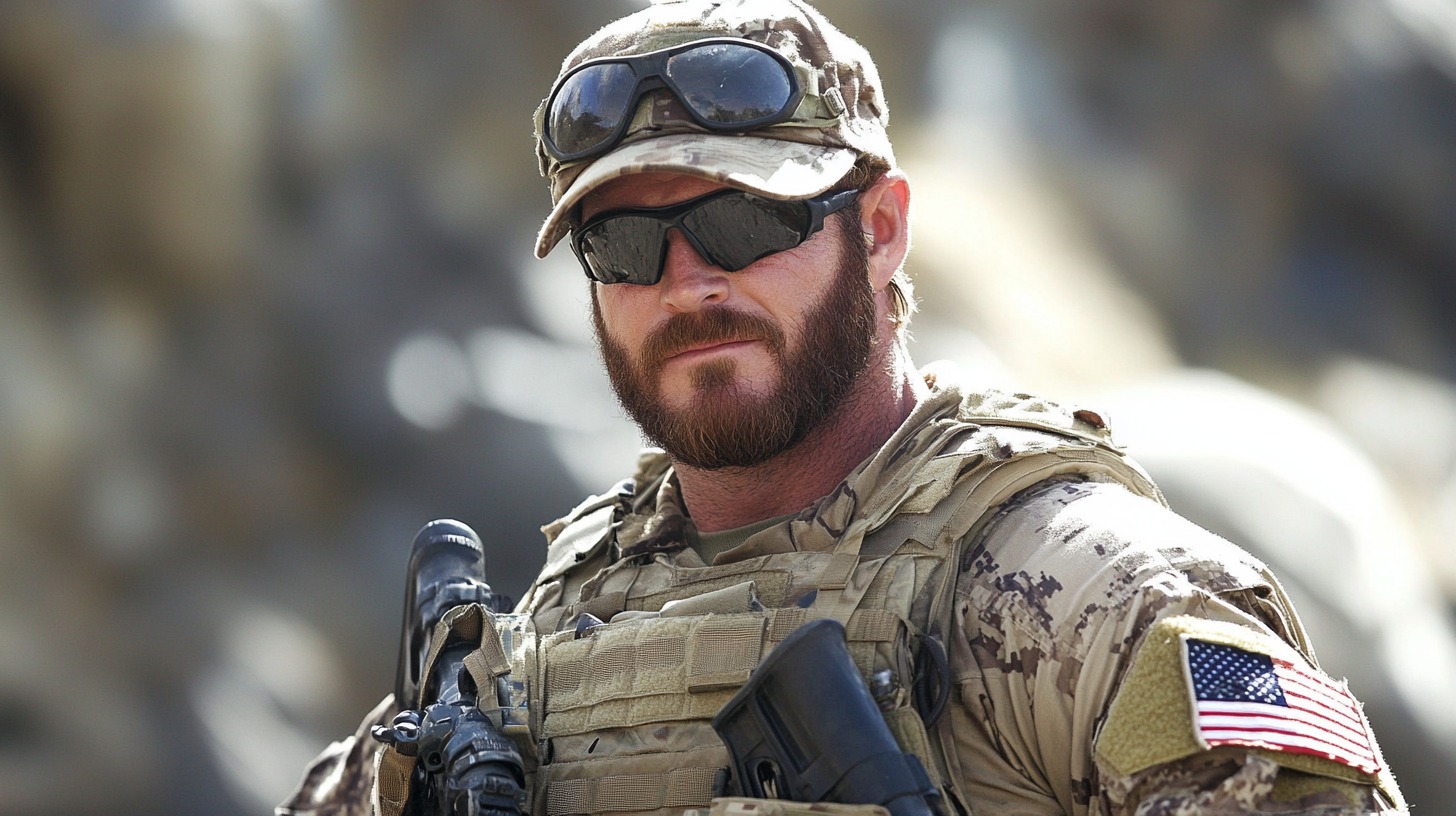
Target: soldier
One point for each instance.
(1058, 641)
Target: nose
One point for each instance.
(689, 282)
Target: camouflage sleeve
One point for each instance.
(1056, 602)
(1226, 781)
(339, 781)
(1216, 717)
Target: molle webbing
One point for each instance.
(675, 673)
(676, 788)
(627, 707)
(673, 669)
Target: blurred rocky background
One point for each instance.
(267, 305)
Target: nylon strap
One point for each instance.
(472, 623)
(680, 788)
(392, 771)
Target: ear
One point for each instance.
(885, 222)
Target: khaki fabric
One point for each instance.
(504, 642)
(1056, 604)
(739, 806)
(1010, 529)
(1063, 557)
(1150, 722)
(884, 543)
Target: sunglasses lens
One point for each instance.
(730, 228)
(737, 230)
(588, 108)
(623, 249)
(730, 84)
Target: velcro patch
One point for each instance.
(1242, 697)
(1154, 718)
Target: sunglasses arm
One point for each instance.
(822, 208)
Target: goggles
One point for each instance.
(726, 85)
(729, 228)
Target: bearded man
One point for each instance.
(1048, 636)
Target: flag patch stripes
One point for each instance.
(1247, 698)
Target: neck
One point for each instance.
(724, 498)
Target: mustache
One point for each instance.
(684, 331)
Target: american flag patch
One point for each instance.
(1247, 698)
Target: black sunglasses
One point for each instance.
(726, 84)
(729, 228)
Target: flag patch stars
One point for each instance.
(1247, 698)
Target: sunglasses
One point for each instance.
(729, 228)
(726, 85)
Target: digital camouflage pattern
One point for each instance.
(1007, 527)
(1055, 605)
(732, 806)
(1243, 782)
(843, 114)
(340, 781)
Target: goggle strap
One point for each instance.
(833, 101)
(815, 111)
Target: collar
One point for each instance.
(657, 521)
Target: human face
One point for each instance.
(730, 369)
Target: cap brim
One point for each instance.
(771, 167)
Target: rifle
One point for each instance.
(464, 765)
(805, 728)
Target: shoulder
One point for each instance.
(1074, 554)
(578, 542)
(1204, 694)
(1121, 603)
(571, 538)
(1088, 528)
(1055, 594)
(339, 780)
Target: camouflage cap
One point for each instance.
(843, 113)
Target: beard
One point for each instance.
(724, 423)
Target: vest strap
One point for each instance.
(680, 788)
(641, 783)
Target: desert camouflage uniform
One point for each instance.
(1006, 528)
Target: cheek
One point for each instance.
(617, 307)
(796, 282)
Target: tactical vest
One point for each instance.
(616, 716)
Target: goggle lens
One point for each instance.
(731, 229)
(590, 106)
(725, 85)
(729, 84)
